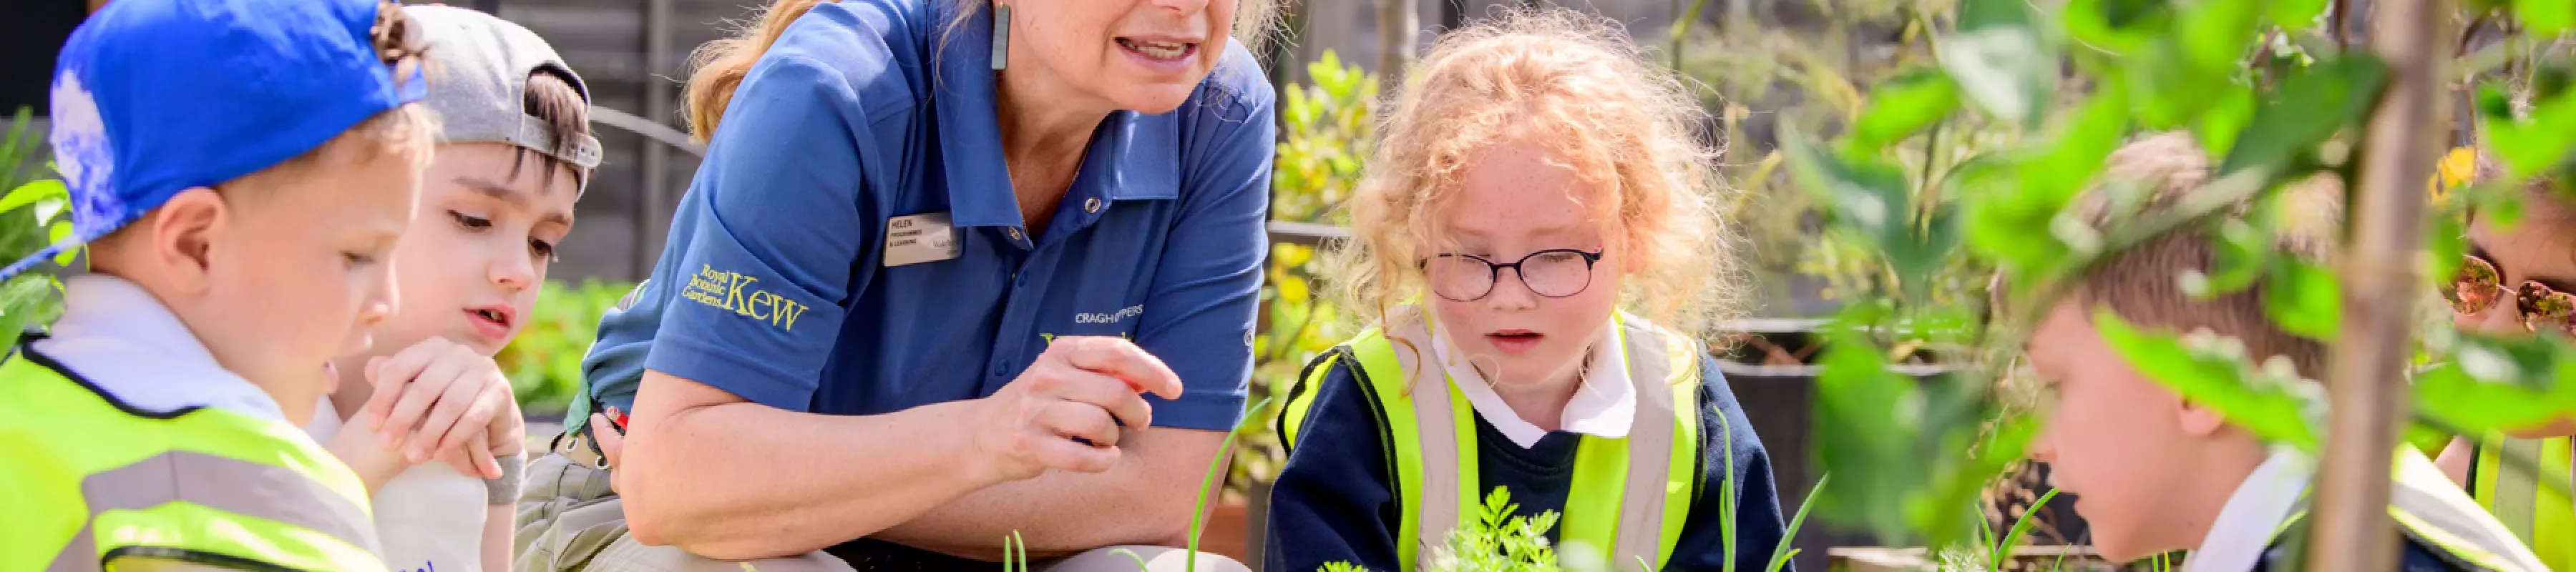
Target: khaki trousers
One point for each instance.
(570, 521)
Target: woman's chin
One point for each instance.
(1154, 99)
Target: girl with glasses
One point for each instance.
(1539, 191)
(2519, 278)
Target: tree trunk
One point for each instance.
(2382, 282)
(1396, 24)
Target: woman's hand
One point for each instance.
(440, 399)
(1065, 411)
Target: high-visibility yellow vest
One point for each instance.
(2431, 510)
(91, 483)
(2524, 499)
(1630, 496)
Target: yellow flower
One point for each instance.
(2457, 169)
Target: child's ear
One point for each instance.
(2199, 420)
(182, 234)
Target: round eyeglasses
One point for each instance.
(1554, 273)
(2479, 287)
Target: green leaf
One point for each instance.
(2225, 120)
(2445, 244)
(2536, 145)
(1900, 107)
(2169, 89)
(1867, 419)
(2545, 18)
(2001, 61)
(2214, 34)
(2213, 372)
(2303, 299)
(2493, 383)
(2000, 221)
(2116, 26)
(55, 234)
(2310, 109)
(2296, 14)
(2242, 253)
(1866, 196)
(34, 192)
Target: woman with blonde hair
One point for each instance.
(953, 271)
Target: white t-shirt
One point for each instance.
(430, 517)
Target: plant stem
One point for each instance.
(2366, 395)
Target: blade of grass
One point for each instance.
(1224, 452)
(2020, 527)
(1140, 560)
(1726, 506)
(1780, 555)
(14, 149)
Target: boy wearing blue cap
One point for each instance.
(240, 170)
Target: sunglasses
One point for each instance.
(2478, 287)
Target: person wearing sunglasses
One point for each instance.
(2520, 279)
(1499, 234)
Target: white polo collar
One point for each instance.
(127, 343)
(2253, 514)
(1604, 406)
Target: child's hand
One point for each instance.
(444, 397)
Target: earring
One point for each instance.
(1001, 36)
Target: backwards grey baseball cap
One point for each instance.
(479, 68)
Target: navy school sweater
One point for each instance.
(1334, 500)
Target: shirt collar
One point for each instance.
(1131, 155)
(2253, 514)
(1604, 406)
(123, 340)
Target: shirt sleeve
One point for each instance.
(1334, 500)
(1199, 308)
(753, 282)
(1725, 433)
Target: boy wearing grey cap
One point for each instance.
(514, 156)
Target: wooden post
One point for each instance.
(2381, 277)
(1396, 24)
(652, 220)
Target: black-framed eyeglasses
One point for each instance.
(1553, 273)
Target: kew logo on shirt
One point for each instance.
(733, 291)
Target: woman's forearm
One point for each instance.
(729, 479)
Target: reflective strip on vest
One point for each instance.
(224, 485)
(2535, 506)
(2427, 505)
(1421, 403)
(207, 486)
(2429, 509)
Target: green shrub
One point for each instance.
(544, 362)
(33, 214)
(1327, 131)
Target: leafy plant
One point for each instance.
(2259, 88)
(544, 361)
(1328, 127)
(33, 214)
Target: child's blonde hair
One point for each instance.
(1622, 124)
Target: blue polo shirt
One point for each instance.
(779, 283)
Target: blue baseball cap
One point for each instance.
(152, 97)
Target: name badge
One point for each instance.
(925, 237)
